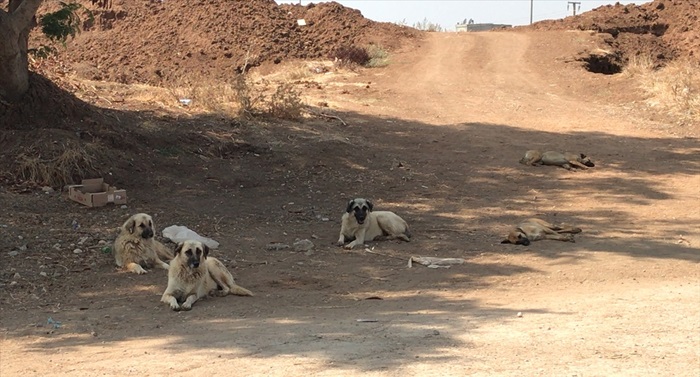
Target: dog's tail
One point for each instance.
(240, 291)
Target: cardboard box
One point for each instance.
(96, 193)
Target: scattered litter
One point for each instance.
(47, 190)
(106, 249)
(276, 246)
(434, 262)
(54, 323)
(82, 240)
(96, 193)
(303, 245)
(520, 314)
(301, 22)
(75, 224)
(185, 101)
(124, 206)
(367, 320)
(180, 233)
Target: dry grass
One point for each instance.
(674, 88)
(69, 163)
(286, 103)
(378, 57)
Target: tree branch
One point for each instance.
(22, 15)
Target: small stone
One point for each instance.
(93, 333)
(314, 236)
(77, 251)
(124, 206)
(520, 314)
(57, 246)
(47, 190)
(276, 246)
(43, 273)
(102, 242)
(13, 253)
(303, 245)
(13, 283)
(435, 332)
(82, 240)
(16, 275)
(325, 219)
(23, 247)
(20, 237)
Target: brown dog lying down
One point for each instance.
(565, 160)
(535, 229)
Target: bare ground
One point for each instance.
(436, 137)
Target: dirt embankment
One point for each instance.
(661, 29)
(178, 40)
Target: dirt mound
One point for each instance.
(662, 29)
(155, 42)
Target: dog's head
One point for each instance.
(517, 237)
(586, 161)
(140, 225)
(360, 208)
(192, 253)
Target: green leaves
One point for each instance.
(65, 22)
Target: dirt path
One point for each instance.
(435, 137)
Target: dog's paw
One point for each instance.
(175, 307)
(349, 246)
(140, 270)
(185, 306)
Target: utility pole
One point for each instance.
(531, 1)
(574, 4)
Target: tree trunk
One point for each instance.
(15, 26)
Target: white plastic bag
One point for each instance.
(179, 233)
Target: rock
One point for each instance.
(44, 274)
(303, 245)
(16, 275)
(13, 253)
(102, 242)
(276, 246)
(23, 247)
(47, 190)
(124, 206)
(520, 314)
(13, 283)
(77, 251)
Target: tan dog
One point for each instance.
(360, 223)
(194, 274)
(535, 229)
(565, 160)
(136, 249)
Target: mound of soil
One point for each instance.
(661, 29)
(178, 40)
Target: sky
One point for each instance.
(447, 13)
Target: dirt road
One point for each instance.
(436, 137)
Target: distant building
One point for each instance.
(472, 26)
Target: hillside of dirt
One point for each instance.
(176, 40)
(661, 29)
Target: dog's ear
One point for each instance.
(351, 203)
(178, 249)
(206, 251)
(583, 156)
(370, 205)
(129, 225)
